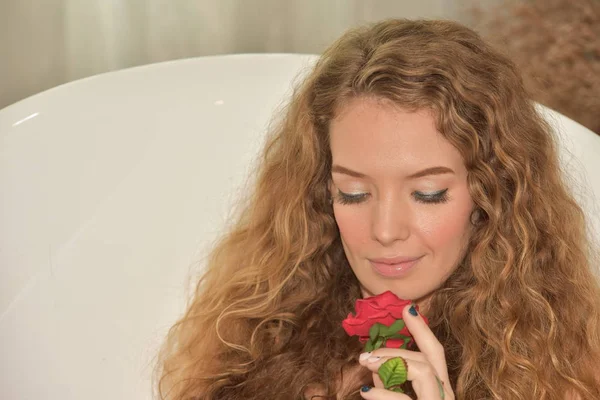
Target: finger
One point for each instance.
(377, 382)
(421, 374)
(381, 394)
(427, 342)
(376, 355)
(390, 352)
(414, 370)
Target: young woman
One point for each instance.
(410, 161)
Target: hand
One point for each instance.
(424, 367)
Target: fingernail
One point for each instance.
(373, 359)
(412, 310)
(364, 356)
(365, 388)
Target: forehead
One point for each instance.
(371, 133)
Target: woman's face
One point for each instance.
(400, 198)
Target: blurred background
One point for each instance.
(46, 43)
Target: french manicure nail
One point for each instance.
(364, 356)
(412, 310)
(373, 359)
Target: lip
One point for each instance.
(394, 267)
(393, 260)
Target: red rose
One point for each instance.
(384, 309)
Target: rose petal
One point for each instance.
(394, 343)
(377, 314)
(384, 308)
(357, 327)
(387, 320)
(396, 311)
(405, 332)
(385, 299)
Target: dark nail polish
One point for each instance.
(413, 311)
(365, 388)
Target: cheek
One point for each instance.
(353, 224)
(448, 229)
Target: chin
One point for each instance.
(402, 293)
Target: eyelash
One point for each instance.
(435, 198)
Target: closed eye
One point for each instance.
(440, 196)
(350, 198)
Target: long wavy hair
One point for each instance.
(519, 319)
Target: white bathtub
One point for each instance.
(112, 187)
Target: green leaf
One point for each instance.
(393, 329)
(397, 326)
(382, 329)
(369, 346)
(393, 372)
(379, 342)
(374, 330)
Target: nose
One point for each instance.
(390, 221)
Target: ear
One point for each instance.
(475, 216)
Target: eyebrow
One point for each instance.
(427, 171)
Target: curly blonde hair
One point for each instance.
(519, 318)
